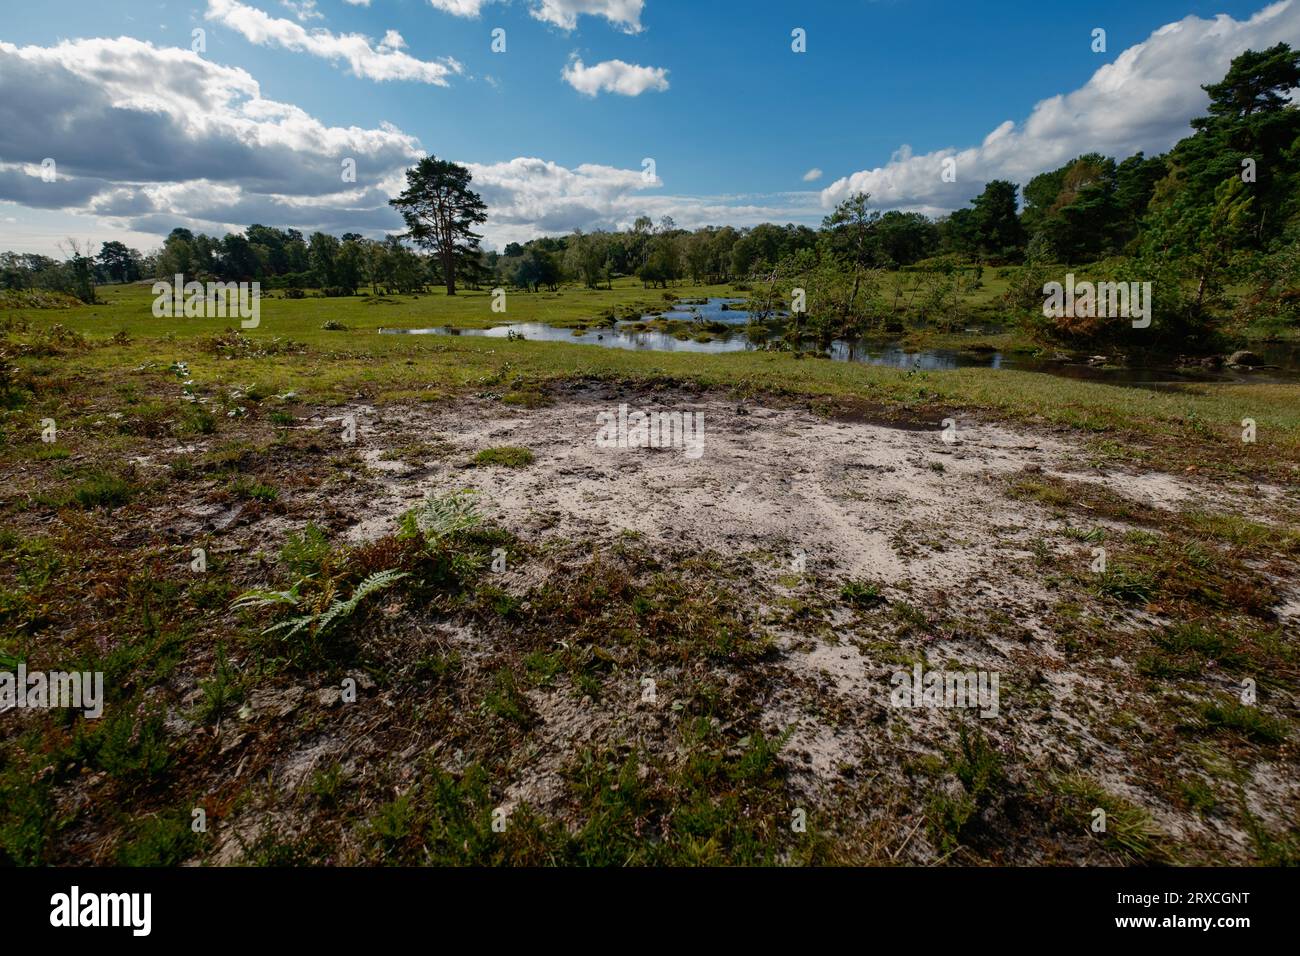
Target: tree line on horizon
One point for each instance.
(1222, 207)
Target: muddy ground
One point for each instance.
(658, 614)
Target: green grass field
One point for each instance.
(1195, 426)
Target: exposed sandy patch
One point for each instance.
(778, 480)
(805, 503)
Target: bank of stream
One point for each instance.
(719, 325)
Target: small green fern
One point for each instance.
(437, 519)
(342, 610)
(250, 600)
(317, 623)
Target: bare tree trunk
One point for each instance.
(853, 296)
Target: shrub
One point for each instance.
(1175, 322)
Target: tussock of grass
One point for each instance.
(1130, 831)
(526, 399)
(507, 456)
(1126, 584)
(506, 700)
(166, 839)
(1225, 715)
(1243, 532)
(861, 593)
(97, 488)
(254, 491)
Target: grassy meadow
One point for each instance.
(330, 349)
(176, 434)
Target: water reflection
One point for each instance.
(741, 339)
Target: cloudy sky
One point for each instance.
(214, 114)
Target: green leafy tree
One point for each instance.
(1251, 120)
(118, 262)
(177, 256)
(584, 258)
(238, 258)
(270, 244)
(906, 237)
(441, 211)
(350, 266)
(1201, 241)
(852, 226)
(80, 270)
(1076, 208)
(322, 250)
(1135, 185)
(996, 221)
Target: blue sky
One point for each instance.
(732, 117)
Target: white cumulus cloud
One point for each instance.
(459, 8)
(1144, 100)
(614, 76)
(149, 138)
(303, 9)
(382, 62)
(625, 15)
